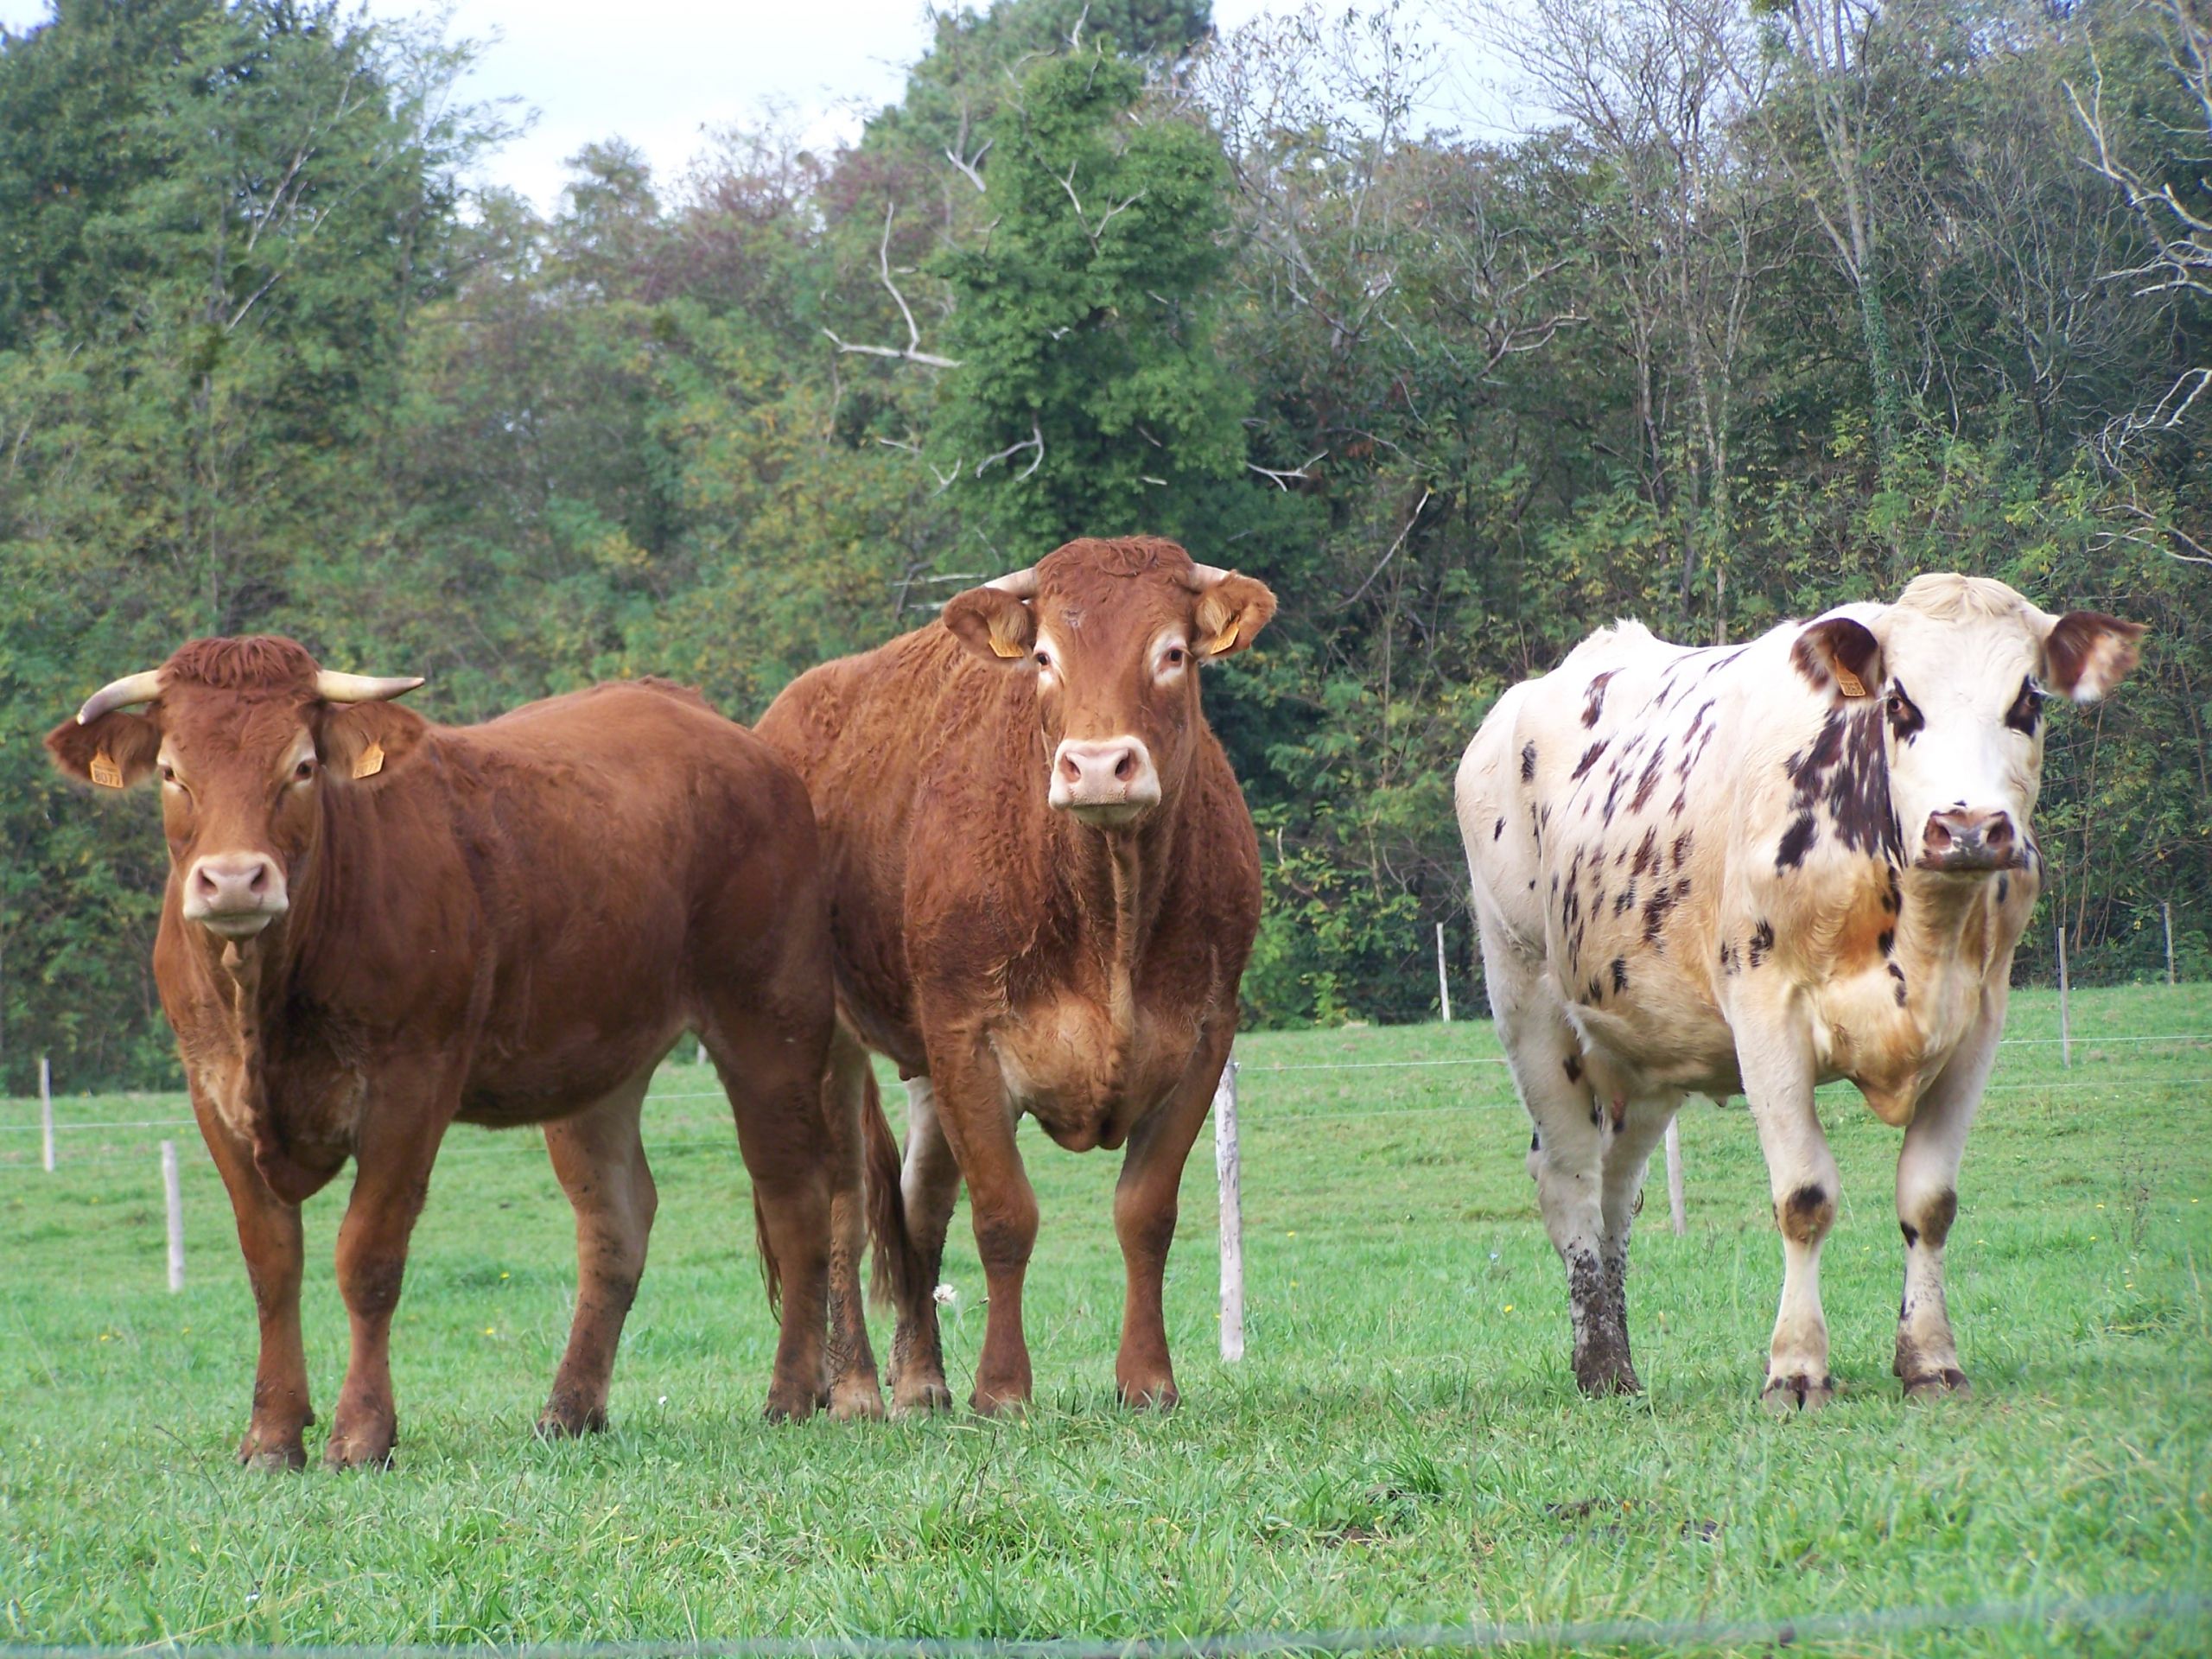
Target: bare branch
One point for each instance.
(1035, 440)
(911, 351)
(1353, 598)
(1281, 478)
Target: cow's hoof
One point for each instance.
(791, 1407)
(1149, 1396)
(570, 1420)
(1786, 1396)
(370, 1447)
(857, 1400)
(1613, 1377)
(272, 1453)
(920, 1398)
(1012, 1403)
(1950, 1382)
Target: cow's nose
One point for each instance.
(1104, 782)
(1966, 838)
(236, 894)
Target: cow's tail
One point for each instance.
(899, 1275)
(771, 1272)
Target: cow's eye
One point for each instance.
(304, 770)
(1044, 660)
(1904, 719)
(168, 772)
(2026, 710)
(1174, 657)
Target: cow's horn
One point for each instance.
(126, 693)
(334, 687)
(1022, 584)
(1203, 576)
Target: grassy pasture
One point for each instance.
(1404, 1445)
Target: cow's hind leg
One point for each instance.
(854, 1391)
(1565, 1157)
(600, 1157)
(929, 1186)
(1629, 1139)
(774, 1084)
(268, 1235)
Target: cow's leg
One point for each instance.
(775, 1087)
(600, 1157)
(1928, 1174)
(270, 1238)
(853, 1389)
(1144, 1220)
(391, 1180)
(1565, 1155)
(978, 1122)
(1629, 1142)
(928, 1185)
(1802, 1180)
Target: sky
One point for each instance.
(666, 74)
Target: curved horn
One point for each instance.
(334, 687)
(1022, 584)
(1203, 576)
(126, 693)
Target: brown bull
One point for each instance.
(1043, 887)
(375, 926)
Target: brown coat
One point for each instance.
(502, 925)
(1011, 958)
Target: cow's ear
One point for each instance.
(368, 740)
(115, 751)
(2087, 654)
(1840, 656)
(995, 626)
(1231, 613)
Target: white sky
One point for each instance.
(662, 73)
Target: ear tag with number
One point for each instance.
(999, 647)
(104, 771)
(1848, 683)
(1223, 640)
(370, 762)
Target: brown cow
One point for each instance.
(374, 926)
(1043, 887)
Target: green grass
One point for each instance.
(1404, 1444)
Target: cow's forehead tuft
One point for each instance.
(1124, 555)
(254, 662)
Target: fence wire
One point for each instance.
(2167, 1611)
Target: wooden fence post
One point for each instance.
(1443, 984)
(2166, 910)
(46, 1111)
(1228, 1168)
(1674, 1176)
(174, 1197)
(2065, 1027)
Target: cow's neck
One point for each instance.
(1946, 926)
(1118, 881)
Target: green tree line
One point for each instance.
(1768, 308)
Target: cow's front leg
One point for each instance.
(270, 1238)
(391, 1183)
(1144, 1220)
(1802, 1181)
(978, 1122)
(1928, 1172)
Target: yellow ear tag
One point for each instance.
(1848, 683)
(104, 771)
(1000, 648)
(1223, 640)
(370, 762)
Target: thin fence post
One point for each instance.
(2065, 1027)
(1227, 1167)
(2166, 910)
(1443, 984)
(1675, 1210)
(46, 1111)
(175, 1200)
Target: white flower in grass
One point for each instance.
(945, 1295)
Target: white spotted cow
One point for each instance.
(1753, 870)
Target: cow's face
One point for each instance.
(1113, 633)
(245, 736)
(1959, 669)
